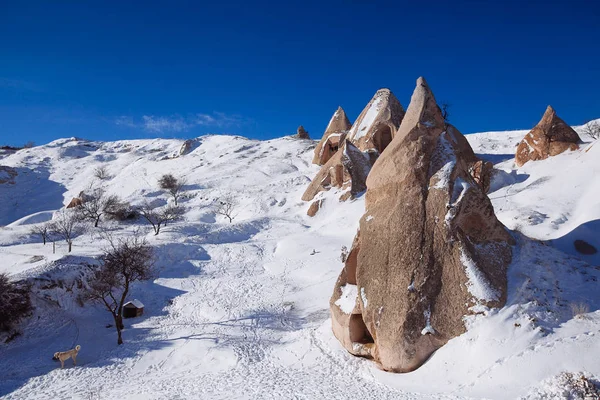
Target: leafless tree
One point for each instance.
(15, 302)
(67, 226)
(226, 206)
(44, 230)
(172, 185)
(446, 113)
(126, 261)
(160, 216)
(97, 204)
(592, 128)
(101, 173)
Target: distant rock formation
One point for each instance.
(370, 134)
(551, 136)
(333, 137)
(301, 133)
(429, 249)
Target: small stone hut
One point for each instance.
(133, 309)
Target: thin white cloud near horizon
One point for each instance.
(178, 123)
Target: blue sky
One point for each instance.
(120, 70)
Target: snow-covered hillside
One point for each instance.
(241, 309)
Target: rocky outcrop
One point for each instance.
(378, 122)
(333, 137)
(314, 207)
(430, 249)
(75, 202)
(7, 174)
(370, 135)
(301, 133)
(551, 136)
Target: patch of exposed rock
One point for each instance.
(429, 250)
(551, 136)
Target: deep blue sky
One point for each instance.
(110, 70)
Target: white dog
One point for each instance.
(63, 356)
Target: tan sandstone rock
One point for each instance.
(333, 137)
(551, 136)
(373, 131)
(377, 123)
(314, 207)
(429, 250)
(301, 133)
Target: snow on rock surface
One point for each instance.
(240, 310)
(347, 300)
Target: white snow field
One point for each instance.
(241, 310)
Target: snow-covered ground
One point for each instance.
(240, 310)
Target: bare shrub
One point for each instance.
(579, 310)
(126, 261)
(15, 303)
(160, 216)
(172, 185)
(66, 225)
(29, 145)
(446, 113)
(226, 206)
(101, 173)
(592, 129)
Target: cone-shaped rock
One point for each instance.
(551, 136)
(334, 135)
(430, 249)
(301, 133)
(377, 123)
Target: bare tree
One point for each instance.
(160, 216)
(97, 204)
(592, 129)
(127, 261)
(44, 230)
(172, 185)
(67, 226)
(446, 113)
(101, 173)
(15, 302)
(226, 206)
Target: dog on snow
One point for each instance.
(63, 356)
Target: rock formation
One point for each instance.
(334, 135)
(377, 123)
(301, 133)
(429, 248)
(372, 132)
(551, 136)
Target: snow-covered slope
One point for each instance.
(240, 309)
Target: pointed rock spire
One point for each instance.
(377, 123)
(551, 136)
(333, 137)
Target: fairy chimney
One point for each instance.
(429, 249)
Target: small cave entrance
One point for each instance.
(330, 147)
(382, 138)
(358, 330)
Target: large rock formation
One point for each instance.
(429, 249)
(372, 132)
(333, 137)
(551, 136)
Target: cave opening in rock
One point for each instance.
(358, 330)
(382, 138)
